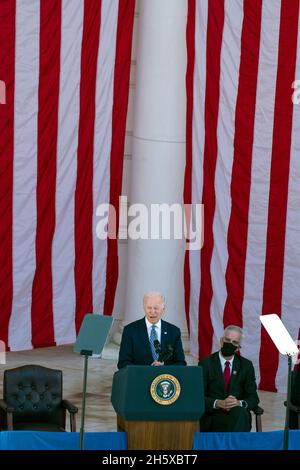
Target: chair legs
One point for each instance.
(72, 422)
(258, 423)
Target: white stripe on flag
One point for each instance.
(102, 140)
(201, 13)
(63, 251)
(260, 180)
(25, 170)
(229, 80)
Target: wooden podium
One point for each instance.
(157, 419)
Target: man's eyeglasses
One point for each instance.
(233, 342)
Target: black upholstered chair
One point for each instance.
(258, 412)
(32, 400)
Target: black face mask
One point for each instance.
(228, 349)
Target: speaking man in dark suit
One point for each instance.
(150, 340)
(229, 386)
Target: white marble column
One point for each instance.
(158, 162)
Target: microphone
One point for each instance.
(163, 356)
(157, 348)
(167, 354)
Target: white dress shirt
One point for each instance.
(157, 329)
(223, 362)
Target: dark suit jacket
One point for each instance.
(135, 345)
(242, 382)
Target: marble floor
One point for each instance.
(100, 415)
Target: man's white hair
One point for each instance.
(234, 328)
(154, 294)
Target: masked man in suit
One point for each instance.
(150, 340)
(229, 386)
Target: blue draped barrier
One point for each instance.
(41, 440)
(38, 440)
(245, 441)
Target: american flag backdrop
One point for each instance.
(243, 164)
(66, 65)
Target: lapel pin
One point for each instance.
(234, 372)
(165, 332)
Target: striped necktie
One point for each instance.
(153, 337)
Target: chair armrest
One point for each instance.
(294, 408)
(8, 410)
(5, 407)
(69, 406)
(72, 409)
(258, 411)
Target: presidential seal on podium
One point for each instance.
(165, 389)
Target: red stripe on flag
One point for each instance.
(213, 68)
(84, 184)
(190, 38)
(241, 169)
(119, 114)
(7, 75)
(279, 178)
(50, 40)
